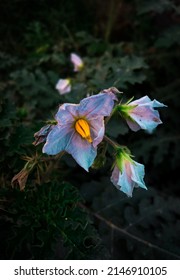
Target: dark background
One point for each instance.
(64, 212)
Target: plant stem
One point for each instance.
(111, 142)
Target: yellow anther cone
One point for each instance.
(82, 127)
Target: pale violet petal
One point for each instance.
(97, 130)
(133, 125)
(96, 105)
(115, 177)
(66, 89)
(63, 86)
(58, 139)
(138, 173)
(66, 113)
(77, 62)
(75, 59)
(112, 92)
(146, 117)
(82, 151)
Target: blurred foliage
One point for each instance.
(47, 223)
(65, 212)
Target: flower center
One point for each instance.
(82, 127)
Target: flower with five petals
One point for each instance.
(80, 128)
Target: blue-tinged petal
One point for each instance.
(115, 177)
(96, 105)
(131, 177)
(157, 104)
(133, 125)
(143, 100)
(125, 180)
(97, 130)
(66, 113)
(58, 139)
(146, 117)
(82, 151)
(146, 101)
(138, 173)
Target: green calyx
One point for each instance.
(124, 109)
(122, 154)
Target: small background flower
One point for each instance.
(77, 62)
(63, 86)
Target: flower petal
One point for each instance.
(97, 130)
(138, 173)
(143, 100)
(97, 105)
(63, 86)
(115, 176)
(125, 181)
(133, 125)
(77, 62)
(156, 103)
(111, 91)
(66, 113)
(131, 177)
(58, 139)
(82, 151)
(146, 117)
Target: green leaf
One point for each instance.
(169, 38)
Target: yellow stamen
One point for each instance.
(82, 127)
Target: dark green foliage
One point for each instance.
(47, 223)
(132, 45)
(157, 6)
(170, 37)
(147, 224)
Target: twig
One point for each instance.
(125, 232)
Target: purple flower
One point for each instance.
(77, 62)
(141, 114)
(80, 128)
(63, 86)
(127, 174)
